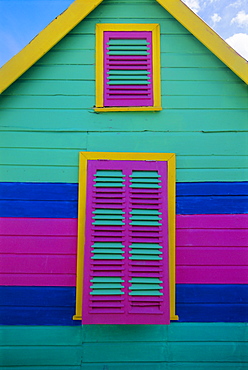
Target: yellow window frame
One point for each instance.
(155, 29)
(170, 158)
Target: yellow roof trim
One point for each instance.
(207, 36)
(79, 9)
(45, 40)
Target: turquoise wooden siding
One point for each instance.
(121, 347)
(47, 115)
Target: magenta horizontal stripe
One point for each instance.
(212, 221)
(38, 244)
(42, 252)
(38, 226)
(211, 275)
(211, 238)
(38, 279)
(212, 256)
(37, 264)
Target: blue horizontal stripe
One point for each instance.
(60, 200)
(56, 305)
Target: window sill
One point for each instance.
(126, 109)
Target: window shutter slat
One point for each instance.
(128, 79)
(126, 248)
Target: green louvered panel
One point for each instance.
(145, 287)
(106, 286)
(112, 179)
(150, 252)
(145, 180)
(143, 217)
(107, 251)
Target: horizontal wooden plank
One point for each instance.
(88, 102)
(200, 175)
(38, 279)
(44, 356)
(40, 191)
(37, 208)
(60, 157)
(68, 209)
(59, 316)
(45, 140)
(212, 238)
(173, 59)
(56, 305)
(55, 120)
(34, 367)
(212, 256)
(75, 86)
(167, 24)
(163, 365)
(211, 293)
(38, 227)
(211, 275)
(175, 332)
(211, 188)
(202, 312)
(38, 174)
(171, 43)
(145, 366)
(212, 221)
(69, 191)
(28, 296)
(182, 352)
(216, 294)
(199, 143)
(86, 73)
(10, 173)
(59, 245)
(126, 351)
(38, 264)
(211, 205)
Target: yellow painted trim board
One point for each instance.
(207, 36)
(45, 40)
(100, 29)
(84, 157)
(79, 9)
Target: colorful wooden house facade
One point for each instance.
(123, 135)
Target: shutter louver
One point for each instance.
(128, 79)
(126, 248)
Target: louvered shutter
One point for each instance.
(128, 80)
(126, 277)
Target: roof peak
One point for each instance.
(79, 9)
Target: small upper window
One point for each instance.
(127, 67)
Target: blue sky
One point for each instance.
(21, 20)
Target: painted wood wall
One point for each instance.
(46, 118)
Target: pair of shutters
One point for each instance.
(126, 268)
(128, 79)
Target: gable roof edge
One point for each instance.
(207, 36)
(79, 9)
(45, 40)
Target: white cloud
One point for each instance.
(239, 41)
(193, 5)
(241, 19)
(215, 18)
